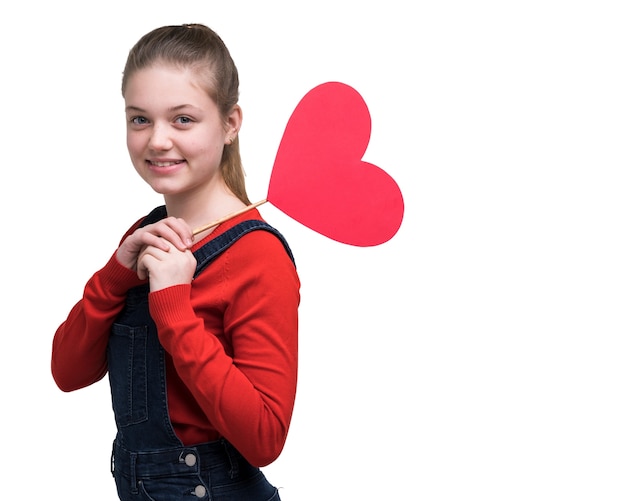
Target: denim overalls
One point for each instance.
(149, 462)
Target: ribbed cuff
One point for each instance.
(172, 304)
(116, 278)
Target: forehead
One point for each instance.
(166, 84)
(163, 73)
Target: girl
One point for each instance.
(198, 334)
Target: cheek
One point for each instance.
(217, 152)
(209, 151)
(133, 143)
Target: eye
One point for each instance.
(138, 120)
(183, 120)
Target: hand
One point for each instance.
(165, 234)
(165, 268)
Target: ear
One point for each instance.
(233, 124)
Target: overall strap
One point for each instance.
(212, 249)
(155, 215)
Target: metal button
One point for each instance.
(190, 459)
(200, 491)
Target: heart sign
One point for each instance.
(319, 178)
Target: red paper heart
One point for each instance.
(319, 178)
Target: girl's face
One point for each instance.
(175, 135)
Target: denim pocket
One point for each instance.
(128, 373)
(175, 488)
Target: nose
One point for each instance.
(160, 139)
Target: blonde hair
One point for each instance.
(199, 48)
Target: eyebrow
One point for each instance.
(172, 109)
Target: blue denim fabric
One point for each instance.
(213, 471)
(149, 462)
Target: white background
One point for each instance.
(479, 354)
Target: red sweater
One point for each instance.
(230, 340)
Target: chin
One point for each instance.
(164, 190)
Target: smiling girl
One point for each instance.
(198, 334)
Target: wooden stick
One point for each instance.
(229, 216)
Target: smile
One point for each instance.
(164, 164)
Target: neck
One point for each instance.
(201, 208)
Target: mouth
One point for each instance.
(165, 167)
(164, 164)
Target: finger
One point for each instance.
(183, 234)
(147, 259)
(175, 230)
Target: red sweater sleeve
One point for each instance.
(232, 336)
(80, 343)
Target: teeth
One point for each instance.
(164, 164)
